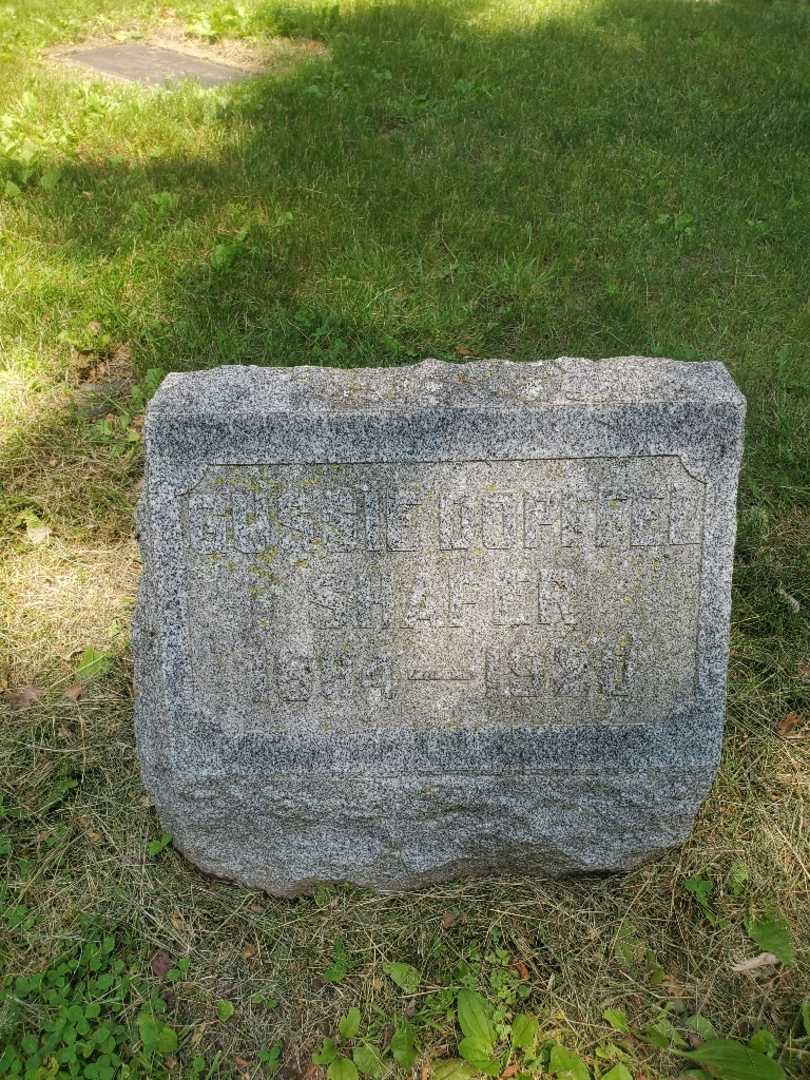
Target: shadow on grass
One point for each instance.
(449, 181)
(455, 179)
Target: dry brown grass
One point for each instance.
(86, 855)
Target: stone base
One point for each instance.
(287, 835)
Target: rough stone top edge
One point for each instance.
(570, 381)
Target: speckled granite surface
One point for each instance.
(400, 625)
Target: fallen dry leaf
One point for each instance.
(520, 968)
(789, 723)
(249, 952)
(240, 1062)
(25, 698)
(85, 824)
(673, 988)
(424, 1072)
(177, 920)
(160, 964)
(73, 692)
(804, 669)
(510, 1070)
(448, 920)
(463, 351)
(756, 963)
(791, 601)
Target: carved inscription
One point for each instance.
(455, 593)
(362, 519)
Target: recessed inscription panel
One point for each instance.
(443, 595)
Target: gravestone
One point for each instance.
(400, 625)
(152, 65)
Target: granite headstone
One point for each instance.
(401, 625)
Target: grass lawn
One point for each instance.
(519, 178)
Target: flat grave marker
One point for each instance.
(152, 65)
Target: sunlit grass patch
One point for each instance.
(17, 389)
(61, 598)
